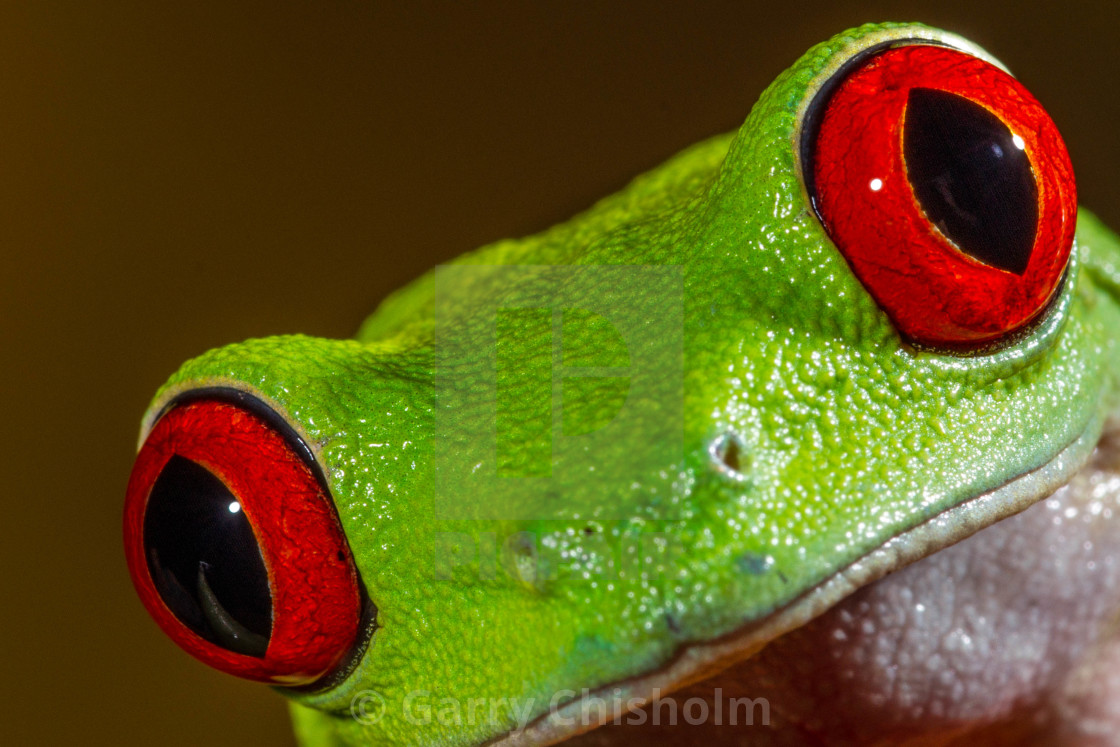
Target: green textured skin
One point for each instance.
(849, 437)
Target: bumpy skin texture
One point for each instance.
(847, 437)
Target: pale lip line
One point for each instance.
(698, 661)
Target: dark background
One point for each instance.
(175, 177)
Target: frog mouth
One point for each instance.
(700, 662)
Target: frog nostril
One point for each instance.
(728, 456)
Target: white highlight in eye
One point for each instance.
(876, 184)
(234, 507)
(1019, 142)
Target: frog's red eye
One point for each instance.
(234, 546)
(948, 189)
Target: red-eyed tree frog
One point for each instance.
(807, 435)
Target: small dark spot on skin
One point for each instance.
(671, 621)
(783, 578)
(341, 556)
(589, 530)
(752, 563)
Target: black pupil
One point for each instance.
(204, 559)
(972, 178)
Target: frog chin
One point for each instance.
(999, 607)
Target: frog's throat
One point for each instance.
(698, 661)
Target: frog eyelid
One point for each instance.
(853, 54)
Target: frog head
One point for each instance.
(635, 448)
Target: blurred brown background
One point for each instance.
(179, 176)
